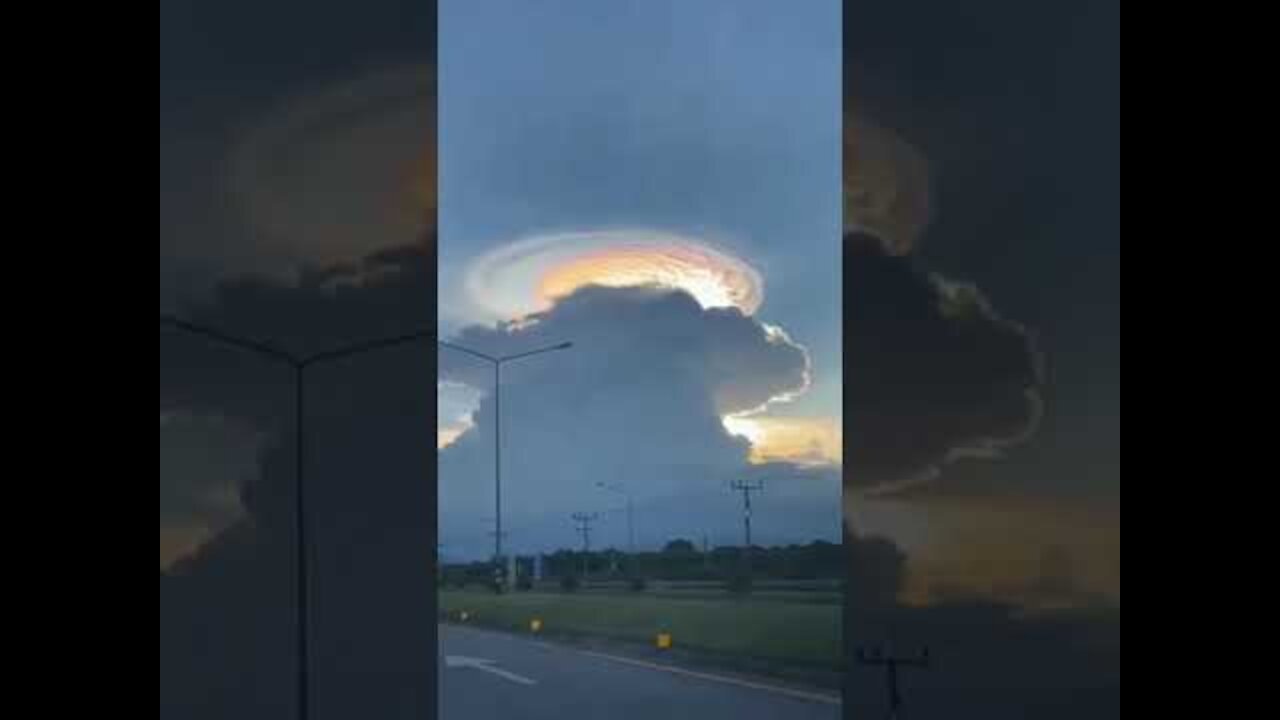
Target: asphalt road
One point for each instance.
(490, 676)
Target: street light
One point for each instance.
(498, 363)
(299, 365)
(631, 512)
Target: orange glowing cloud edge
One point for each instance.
(816, 442)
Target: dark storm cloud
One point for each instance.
(228, 609)
(209, 494)
(389, 294)
(933, 373)
(277, 123)
(630, 335)
(937, 376)
(370, 422)
(640, 399)
(1015, 108)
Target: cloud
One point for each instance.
(531, 274)
(369, 457)
(937, 375)
(330, 174)
(646, 388)
(798, 440)
(204, 464)
(318, 171)
(934, 374)
(640, 400)
(381, 405)
(387, 294)
(888, 185)
(648, 334)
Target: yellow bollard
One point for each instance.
(665, 641)
(536, 626)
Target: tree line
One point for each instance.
(678, 561)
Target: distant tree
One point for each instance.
(680, 547)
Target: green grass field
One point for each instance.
(795, 633)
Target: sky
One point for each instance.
(998, 178)
(979, 298)
(713, 122)
(1005, 122)
(690, 146)
(296, 136)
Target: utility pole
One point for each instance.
(584, 521)
(747, 489)
(893, 664)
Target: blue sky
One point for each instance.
(719, 120)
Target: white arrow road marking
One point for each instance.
(454, 662)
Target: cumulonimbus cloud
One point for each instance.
(640, 399)
(934, 373)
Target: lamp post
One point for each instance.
(299, 365)
(498, 363)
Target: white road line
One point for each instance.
(772, 689)
(454, 662)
